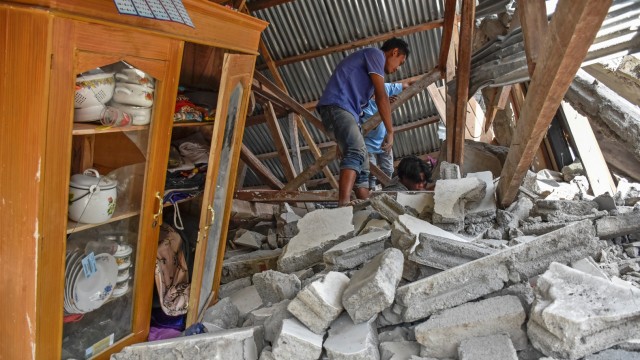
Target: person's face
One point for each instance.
(419, 186)
(394, 61)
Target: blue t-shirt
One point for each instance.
(350, 85)
(375, 137)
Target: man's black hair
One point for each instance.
(396, 43)
(410, 168)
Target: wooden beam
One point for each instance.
(360, 43)
(287, 196)
(315, 151)
(497, 101)
(271, 65)
(533, 19)
(589, 152)
(448, 113)
(312, 170)
(242, 173)
(416, 124)
(447, 32)
(417, 87)
(462, 79)
(258, 167)
(571, 32)
(291, 102)
(264, 4)
(281, 145)
(294, 140)
(269, 96)
(379, 174)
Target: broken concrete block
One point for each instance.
(318, 304)
(451, 197)
(399, 350)
(412, 271)
(273, 323)
(377, 224)
(589, 266)
(614, 354)
(442, 333)
(523, 291)
(487, 205)
(494, 243)
(360, 219)
(414, 226)
(417, 202)
(304, 274)
(541, 228)
(442, 253)
(259, 316)
(572, 170)
(272, 239)
(296, 342)
(319, 230)
(233, 286)
(397, 334)
(576, 314)
(248, 264)
(274, 286)
(387, 207)
(483, 276)
(352, 341)
(609, 227)
(372, 288)
(492, 347)
(245, 210)
(224, 314)
(356, 251)
(246, 300)
(241, 344)
(266, 355)
(390, 316)
(565, 210)
(250, 239)
(449, 171)
(520, 209)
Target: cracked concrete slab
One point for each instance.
(349, 341)
(418, 202)
(451, 197)
(274, 286)
(318, 231)
(246, 265)
(296, 342)
(399, 350)
(387, 207)
(609, 227)
(487, 205)
(443, 253)
(576, 314)
(356, 251)
(492, 347)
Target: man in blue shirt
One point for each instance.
(374, 139)
(353, 82)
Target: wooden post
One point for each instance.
(258, 167)
(571, 32)
(281, 145)
(533, 19)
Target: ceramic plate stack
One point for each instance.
(84, 294)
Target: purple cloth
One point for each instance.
(350, 85)
(158, 333)
(160, 319)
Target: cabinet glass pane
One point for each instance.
(112, 117)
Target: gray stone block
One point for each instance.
(487, 205)
(483, 276)
(610, 227)
(390, 316)
(273, 323)
(442, 253)
(355, 251)
(319, 231)
(613, 354)
(373, 287)
(387, 207)
(451, 197)
(274, 286)
(241, 266)
(318, 304)
(250, 239)
(296, 342)
(349, 341)
(246, 300)
(241, 344)
(399, 350)
(224, 314)
(576, 314)
(259, 316)
(442, 333)
(417, 202)
(233, 286)
(564, 210)
(492, 347)
(397, 334)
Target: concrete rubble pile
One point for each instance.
(441, 275)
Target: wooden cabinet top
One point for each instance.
(214, 25)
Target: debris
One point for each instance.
(352, 341)
(492, 347)
(296, 342)
(356, 251)
(274, 286)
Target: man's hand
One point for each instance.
(393, 99)
(387, 144)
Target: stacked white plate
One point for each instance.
(84, 294)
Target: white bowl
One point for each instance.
(139, 115)
(93, 90)
(135, 76)
(87, 114)
(133, 94)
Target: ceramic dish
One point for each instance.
(94, 89)
(121, 288)
(91, 113)
(90, 293)
(133, 94)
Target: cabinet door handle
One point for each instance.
(213, 216)
(159, 213)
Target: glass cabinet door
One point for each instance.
(233, 100)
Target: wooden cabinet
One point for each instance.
(45, 45)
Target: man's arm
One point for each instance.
(384, 108)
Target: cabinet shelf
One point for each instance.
(192, 123)
(91, 129)
(73, 227)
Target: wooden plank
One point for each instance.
(571, 32)
(360, 43)
(589, 152)
(437, 97)
(291, 102)
(312, 170)
(294, 140)
(447, 31)
(533, 19)
(467, 25)
(242, 173)
(281, 145)
(264, 4)
(417, 87)
(315, 150)
(271, 65)
(379, 174)
(287, 196)
(258, 167)
(497, 101)
(416, 124)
